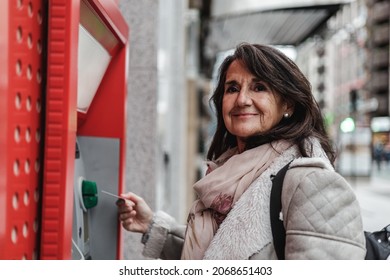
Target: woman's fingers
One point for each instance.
(127, 215)
(127, 224)
(132, 197)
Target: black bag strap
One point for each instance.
(278, 231)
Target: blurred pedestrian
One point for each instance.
(386, 153)
(378, 154)
(266, 117)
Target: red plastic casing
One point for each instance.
(63, 122)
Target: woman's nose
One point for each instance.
(244, 98)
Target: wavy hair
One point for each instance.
(285, 78)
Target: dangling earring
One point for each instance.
(286, 115)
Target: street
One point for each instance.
(373, 194)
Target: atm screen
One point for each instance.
(93, 61)
(97, 45)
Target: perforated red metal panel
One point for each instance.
(21, 41)
(60, 129)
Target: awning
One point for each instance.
(287, 26)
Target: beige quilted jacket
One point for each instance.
(320, 213)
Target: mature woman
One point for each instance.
(266, 117)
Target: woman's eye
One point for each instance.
(231, 89)
(260, 87)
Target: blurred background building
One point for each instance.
(175, 46)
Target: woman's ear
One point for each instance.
(289, 108)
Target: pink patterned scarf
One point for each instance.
(227, 179)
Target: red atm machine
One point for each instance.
(62, 128)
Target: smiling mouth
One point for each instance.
(244, 115)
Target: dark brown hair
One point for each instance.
(284, 77)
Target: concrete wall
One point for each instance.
(142, 17)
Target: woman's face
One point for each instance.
(249, 107)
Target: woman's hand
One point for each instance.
(134, 213)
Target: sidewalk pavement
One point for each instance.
(373, 194)
(378, 182)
